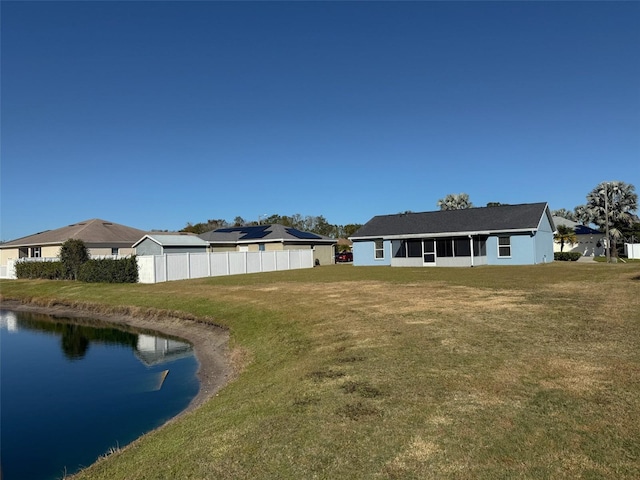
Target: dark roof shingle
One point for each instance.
(484, 219)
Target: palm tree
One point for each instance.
(565, 234)
(610, 206)
(564, 213)
(455, 201)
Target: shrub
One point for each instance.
(108, 270)
(567, 256)
(45, 270)
(73, 254)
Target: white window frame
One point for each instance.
(36, 252)
(378, 249)
(504, 245)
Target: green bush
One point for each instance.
(73, 253)
(108, 270)
(567, 256)
(46, 270)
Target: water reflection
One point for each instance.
(77, 335)
(71, 389)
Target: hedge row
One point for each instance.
(109, 270)
(121, 270)
(45, 270)
(567, 256)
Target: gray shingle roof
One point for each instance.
(94, 231)
(577, 227)
(263, 233)
(485, 219)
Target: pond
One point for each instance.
(73, 390)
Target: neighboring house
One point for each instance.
(590, 242)
(101, 238)
(501, 235)
(268, 238)
(160, 243)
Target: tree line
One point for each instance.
(315, 224)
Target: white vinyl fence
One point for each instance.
(183, 266)
(632, 250)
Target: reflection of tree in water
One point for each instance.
(74, 343)
(77, 337)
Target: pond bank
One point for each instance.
(209, 341)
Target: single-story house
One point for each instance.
(590, 242)
(502, 235)
(161, 243)
(102, 238)
(258, 238)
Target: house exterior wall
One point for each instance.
(8, 253)
(522, 250)
(53, 251)
(324, 254)
(223, 248)
(184, 249)
(364, 254)
(107, 251)
(526, 249)
(588, 245)
(148, 247)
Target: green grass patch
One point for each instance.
(398, 373)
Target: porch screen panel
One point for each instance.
(414, 248)
(462, 247)
(444, 247)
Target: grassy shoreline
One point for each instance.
(491, 372)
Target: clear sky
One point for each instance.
(157, 113)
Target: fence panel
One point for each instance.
(182, 266)
(199, 265)
(269, 261)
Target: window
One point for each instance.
(261, 247)
(115, 251)
(36, 252)
(379, 249)
(504, 246)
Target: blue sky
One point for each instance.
(155, 114)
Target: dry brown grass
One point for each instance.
(486, 373)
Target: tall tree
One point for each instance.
(455, 201)
(564, 235)
(610, 206)
(564, 213)
(73, 253)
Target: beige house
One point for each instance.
(101, 237)
(257, 238)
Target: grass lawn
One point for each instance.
(400, 373)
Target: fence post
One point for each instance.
(166, 267)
